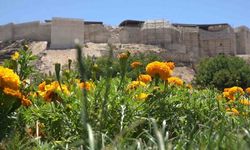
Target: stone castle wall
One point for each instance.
(64, 32)
(216, 42)
(243, 40)
(190, 41)
(96, 33)
(60, 33)
(6, 32)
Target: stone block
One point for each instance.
(6, 32)
(28, 30)
(64, 32)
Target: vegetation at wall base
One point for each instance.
(132, 103)
(223, 71)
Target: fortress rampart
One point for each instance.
(187, 42)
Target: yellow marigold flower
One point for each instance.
(48, 92)
(9, 79)
(11, 92)
(77, 81)
(248, 90)
(171, 65)
(123, 55)
(219, 97)
(64, 89)
(144, 78)
(34, 94)
(15, 56)
(226, 89)
(135, 64)
(47, 95)
(160, 69)
(141, 96)
(245, 102)
(175, 81)
(235, 89)
(135, 84)
(233, 111)
(52, 86)
(189, 86)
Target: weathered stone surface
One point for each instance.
(64, 32)
(96, 33)
(26, 30)
(183, 42)
(6, 32)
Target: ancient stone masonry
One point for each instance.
(242, 40)
(64, 33)
(181, 42)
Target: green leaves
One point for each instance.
(222, 72)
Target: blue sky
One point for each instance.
(112, 12)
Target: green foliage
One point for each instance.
(97, 66)
(223, 71)
(110, 116)
(24, 64)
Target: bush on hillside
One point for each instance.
(223, 71)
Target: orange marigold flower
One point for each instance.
(135, 64)
(248, 90)
(144, 78)
(160, 69)
(175, 81)
(235, 89)
(171, 65)
(229, 93)
(228, 96)
(135, 84)
(11, 92)
(26, 102)
(87, 85)
(41, 86)
(226, 89)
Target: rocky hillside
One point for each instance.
(48, 57)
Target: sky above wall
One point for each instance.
(112, 12)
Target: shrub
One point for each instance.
(223, 71)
